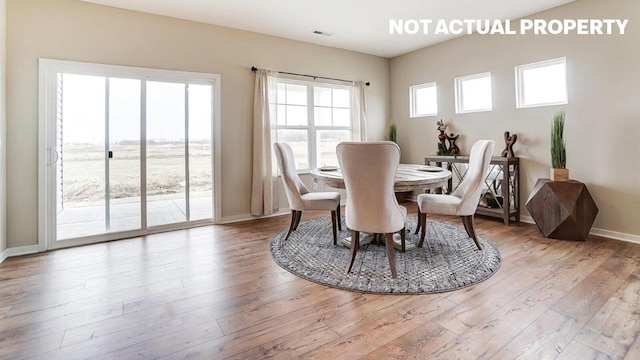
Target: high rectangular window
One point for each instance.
(473, 93)
(423, 100)
(313, 118)
(541, 84)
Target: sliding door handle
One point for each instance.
(53, 151)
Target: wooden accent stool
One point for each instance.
(562, 209)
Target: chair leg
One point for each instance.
(419, 224)
(468, 225)
(377, 238)
(339, 218)
(298, 217)
(388, 239)
(403, 237)
(333, 227)
(423, 230)
(355, 243)
(292, 226)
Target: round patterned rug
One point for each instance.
(449, 259)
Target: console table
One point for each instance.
(502, 182)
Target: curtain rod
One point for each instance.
(254, 69)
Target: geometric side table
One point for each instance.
(562, 209)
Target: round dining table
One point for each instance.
(409, 177)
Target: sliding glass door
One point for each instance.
(179, 172)
(124, 155)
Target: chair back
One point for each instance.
(471, 187)
(369, 170)
(294, 188)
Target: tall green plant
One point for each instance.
(393, 133)
(558, 147)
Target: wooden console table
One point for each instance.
(502, 181)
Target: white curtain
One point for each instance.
(264, 199)
(359, 109)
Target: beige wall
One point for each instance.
(603, 114)
(79, 31)
(3, 121)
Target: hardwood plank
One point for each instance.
(583, 262)
(32, 346)
(416, 344)
(491, 334)
(626, 249)
(240, 341)
(21, 329)
(170, 295)
(360, 340)
(4, 311)
(476, 308)
(634, 350)
(291, 345)
(272, 309)
(361, 313)
(576, 350)
(586, 298)
(544, 339)
(121, 338)
(161, 345)
(615, 327)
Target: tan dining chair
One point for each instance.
(369, 169)
(464, 200)
(298, 195)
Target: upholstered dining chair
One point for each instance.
(369, 169)
(298, 195)
(464, 200)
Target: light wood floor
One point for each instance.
(215, 293)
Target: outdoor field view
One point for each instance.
(100, 187)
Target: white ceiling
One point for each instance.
(358, 25)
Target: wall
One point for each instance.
(602, 124)
(3, 122)
(74, 30)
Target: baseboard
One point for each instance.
(527, 219)
(3, 256)
(598, 232)
(615, 235)
(18, 251)
(247, 217)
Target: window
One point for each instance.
(313, 119)
(423, 100)
(473, 93)
(542, 83)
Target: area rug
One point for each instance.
(449, 259)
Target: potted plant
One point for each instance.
(393, 133)
(559, 171)
(393, 136)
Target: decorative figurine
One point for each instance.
(447, 144)
(509, 140)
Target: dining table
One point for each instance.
(409, 177)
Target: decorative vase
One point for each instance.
(559, 174)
